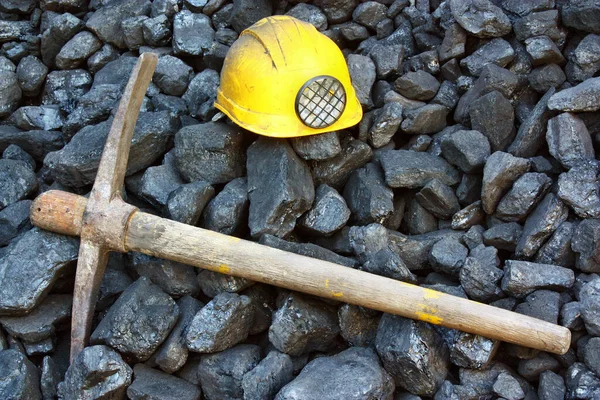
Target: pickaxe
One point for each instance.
(106, 223)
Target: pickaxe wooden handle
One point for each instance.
(106, 223)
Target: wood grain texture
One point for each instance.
(225, 254)
(59, 212)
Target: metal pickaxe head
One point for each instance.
(106, 214)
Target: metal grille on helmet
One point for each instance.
(320, 102)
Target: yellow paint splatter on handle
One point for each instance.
(223, 269)
(427, 313)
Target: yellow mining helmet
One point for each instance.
(283, 78)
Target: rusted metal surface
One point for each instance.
(106, 214)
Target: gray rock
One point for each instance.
(213, 283)
(570, 316)
(472, 214)
(469, 189)
(537, 24)
(351, 32)
(418, 220)
(192, 33)
(413, 353)
(415, 249)
(227, 213)
(116, 72)
(447, 95)
(582, 15)
(316, 331)
(474, 236)
(309, 13)
(367, 240)
(337, 10)
(493, 115)
(133, 32)
(50, 376)
(64, 88)
(77, 50)
(453, 44)
(276, 212)
(584, 242)
(468, 150)
(262, 298)
(221, 324)
(151, 384)
(96, 372)
(525, 194)
(30, 267)
(172, 75)
(480, 18)
(385, 125)
(468, 350)
(430, 118)
(38, 117)
(525, 7)
(328, 214)
(20, 377)
(221, 374)
(591, 355)
(411, 169)
(14, 220)
(589, 299)
(14, 152)
(75, 165)
(578, 188)
(500, 171)
(522, 278)
(317, 147)
(367, 196)
(448, 256)
(508, 387)
(358, 325)
(369, 14)
(580, 382)
(106, 21)
(114, 282)
(583, 61)
(10, 93)
(93, 107)
(186, 203)
(557, 250)
(497, 51)
(335, 171)
(7, 65)
(583, 97)
(201, 94)
(540, 224)
(480, 276)
(40, 348)
(327, 378)
(174, 278)
(439, 199)
(212, 152)
(158, 182)
(173, 104)
(363, 74)
(31, 73)
(530, 135)
(173, 353)
(541, 304)
(545, 77)
(417, 85)
(543, 50)
(157, 30)
(138, 322)
(387, 59)
(569, 140)
(387, 263)
(99, 59)
(503, 236)
(268, 377)
(551, 386)
(59, 30)
(41, 323)
(246, 13)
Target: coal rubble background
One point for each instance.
(473, 172)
